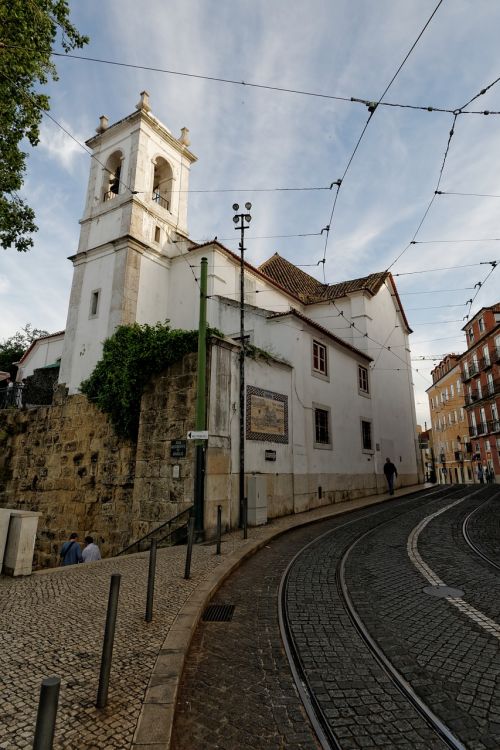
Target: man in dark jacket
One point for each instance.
(391, 473)
(71, 552)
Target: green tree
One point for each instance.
(13, 348)
(28, 32)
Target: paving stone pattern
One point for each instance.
(362, 706)
(53, 623)
(237, 689)
(450, 661)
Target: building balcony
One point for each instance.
(485, 362)
(161, 201)
(495, 354)
(488, 390)
(479, 429)
(494, 425)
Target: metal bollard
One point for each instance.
(245, 518)
(219, 529)
(151, 581)
(107, 646)
(189, 551)
(47, 712)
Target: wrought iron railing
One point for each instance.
(163, 202)
(173, 531)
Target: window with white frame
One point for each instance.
(459, 386)
(366, 435)
(452, 390)
(486, 355)
(462, 414)
(322, 437)
(471, 334)
(480, 324)
(319, 358)
(363, 379)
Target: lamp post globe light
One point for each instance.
(239, 221)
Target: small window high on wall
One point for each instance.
(94, 303)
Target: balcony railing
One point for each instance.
(491, 388)
(494, 425)
(479, 429)
(472, 370)
(485, 362)
(161, 201)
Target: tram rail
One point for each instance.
(320, 722)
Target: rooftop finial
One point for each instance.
(143, 103)
(184, 139)
(103, 124)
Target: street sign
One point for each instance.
(197, 435)
(178, 449)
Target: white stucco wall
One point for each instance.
(85, 334)
(153, 295)
(46, 351)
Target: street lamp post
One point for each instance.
(239, 220)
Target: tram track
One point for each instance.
(321, 723)
(467, 534)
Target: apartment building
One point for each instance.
(451, 441)
(481, 381)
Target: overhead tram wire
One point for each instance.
(480, 285)
(456, 113)
(441, 291)
(473, 195)
(447, 268)
(248, 84)
(372, 107)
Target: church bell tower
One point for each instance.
(135, 214)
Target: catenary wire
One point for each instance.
(248, 84)
(372, 106)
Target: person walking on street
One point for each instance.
(91, 551)
(391, 473)
(71, 553)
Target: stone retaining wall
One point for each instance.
(66, 462)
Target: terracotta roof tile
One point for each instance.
(309, 289)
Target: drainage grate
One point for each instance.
(218, 613)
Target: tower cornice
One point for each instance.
(140, 116)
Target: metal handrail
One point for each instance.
(156, 533)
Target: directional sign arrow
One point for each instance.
(197, 435)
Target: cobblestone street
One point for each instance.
(237, 689)
(52, 623)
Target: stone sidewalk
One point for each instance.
(53, 622)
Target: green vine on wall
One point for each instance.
(130, 358)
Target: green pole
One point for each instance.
(199, 479)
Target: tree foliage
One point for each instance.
(13, 348)
(129, 359)
(28, 32)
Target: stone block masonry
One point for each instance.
(66, 462)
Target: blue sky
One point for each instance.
(252, 138)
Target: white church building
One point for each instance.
(338, 386)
